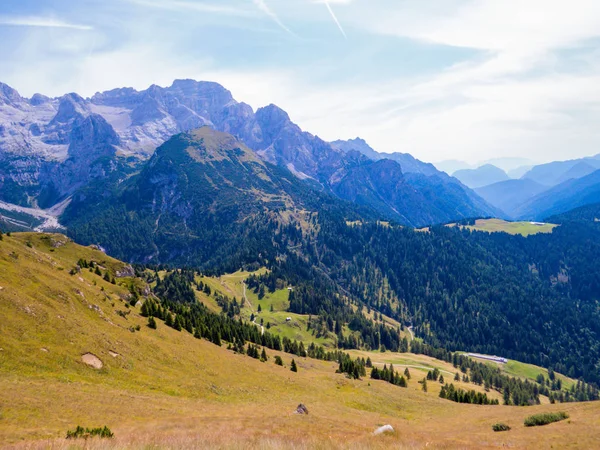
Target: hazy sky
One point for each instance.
(441, 79)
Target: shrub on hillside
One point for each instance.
(544, 419)
(86, 433)
(500, 427)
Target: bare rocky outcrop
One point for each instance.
(301, 409)
(126, 271)
(92, 360)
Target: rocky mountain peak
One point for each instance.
(272, 115)
(8, 95)
(120, 97)
(39, 99)
(91, 131)
(70, 107)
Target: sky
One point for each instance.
(440, 79)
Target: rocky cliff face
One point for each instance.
(51, 147)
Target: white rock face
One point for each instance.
(142, 120)
(50, 147)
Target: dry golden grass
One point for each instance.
(169, 390)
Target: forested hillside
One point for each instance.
(205, 202)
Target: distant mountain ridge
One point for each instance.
(482, 176)
(408, 162)
(61, 145)
(566, 196)
(509, 195)
(540, 190)
(554, 173)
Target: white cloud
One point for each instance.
(260, 4)
(194, 6)
(335, 19)
(44, 22)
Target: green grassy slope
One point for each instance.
(164, 389)
(522, 228)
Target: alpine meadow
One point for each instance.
(183, 270)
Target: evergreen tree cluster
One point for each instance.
(198, 320)
(520, 392)
(176, 286)
(94, 268)
(254, 352)
(353, 368)
(449, 392)
(389, 374)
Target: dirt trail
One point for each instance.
(413, 367)
(262, 328)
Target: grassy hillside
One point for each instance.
(165, 389)
(522, 228)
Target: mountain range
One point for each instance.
(51, 148)
(534, 192)
(482, 176)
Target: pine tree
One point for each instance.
(293, 367)
(177, 324)
(259, 308)
(106, 277)
(151, 323)
(402, 382)
(457, 377)
(506, 395)
(215, 338)
(441, 379)
(407, 373)
(278, 360)
(97, 271)
(424, 383)
(263, 355)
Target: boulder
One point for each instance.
(301, 409)
(384, 429)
